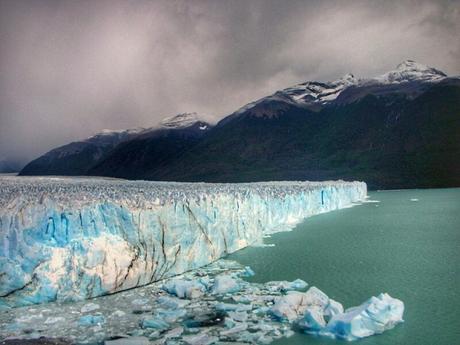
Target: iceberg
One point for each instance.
(68, 239)
(374, 316)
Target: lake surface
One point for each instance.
(408, 248)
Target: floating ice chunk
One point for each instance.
(289, 307)
(297, 284)
(154, 322)
(414, 199)
(371, 201)
(118, 313)
(184, 288)
(333, 308)
(240, 316)
(128, 341)
(200, 339)
(172, 302)
(171, 315)
(139, 301)
(264, 339)
(89, 320)
(374, 316)
(54, 319)
(236, 328)
(247, 272)
(316, 297)
(285, 285)
(313, 320)
(233, 307)
(229, 322)
(261, 310)
(294, 304)
(174, 333)
(224, 283)
(28, 318)
(89, 307)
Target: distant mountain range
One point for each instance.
(398, 130)
(102, 150)
(9, 166)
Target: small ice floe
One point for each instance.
(155, 323)
(263, 245)
(89, 307)
(128, 341)
(118, 313)
(285, 285)
(54, 319)
(90, 320)
(224, 283)
(184, 288)
(200, 339)
(248, 272)
(174, 333)
(172, 302)
(414, 199)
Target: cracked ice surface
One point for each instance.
(253, 313)
(69, 239)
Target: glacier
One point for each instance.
(68, 239)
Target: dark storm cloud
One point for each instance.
(71, 68)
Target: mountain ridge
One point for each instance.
(293, 134)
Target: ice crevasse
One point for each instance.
(74, 238)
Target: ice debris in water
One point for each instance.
(228, 310)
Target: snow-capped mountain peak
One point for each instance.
(319, 92)
(410, 70)
(408, 77)
(348, 78)
(114, 134)
(180, 121)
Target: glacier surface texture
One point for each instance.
(68, 239)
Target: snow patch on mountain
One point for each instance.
(180, 120)
(318, 92)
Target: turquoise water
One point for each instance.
(410, 249)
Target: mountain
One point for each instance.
(152, 150)
(9, 166)
(397, 130)
(77, 158)
(409, 78)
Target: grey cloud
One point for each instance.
(71, 68)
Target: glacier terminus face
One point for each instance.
(68, 239)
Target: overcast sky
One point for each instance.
(71, 68)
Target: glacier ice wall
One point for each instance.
(75, 238)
